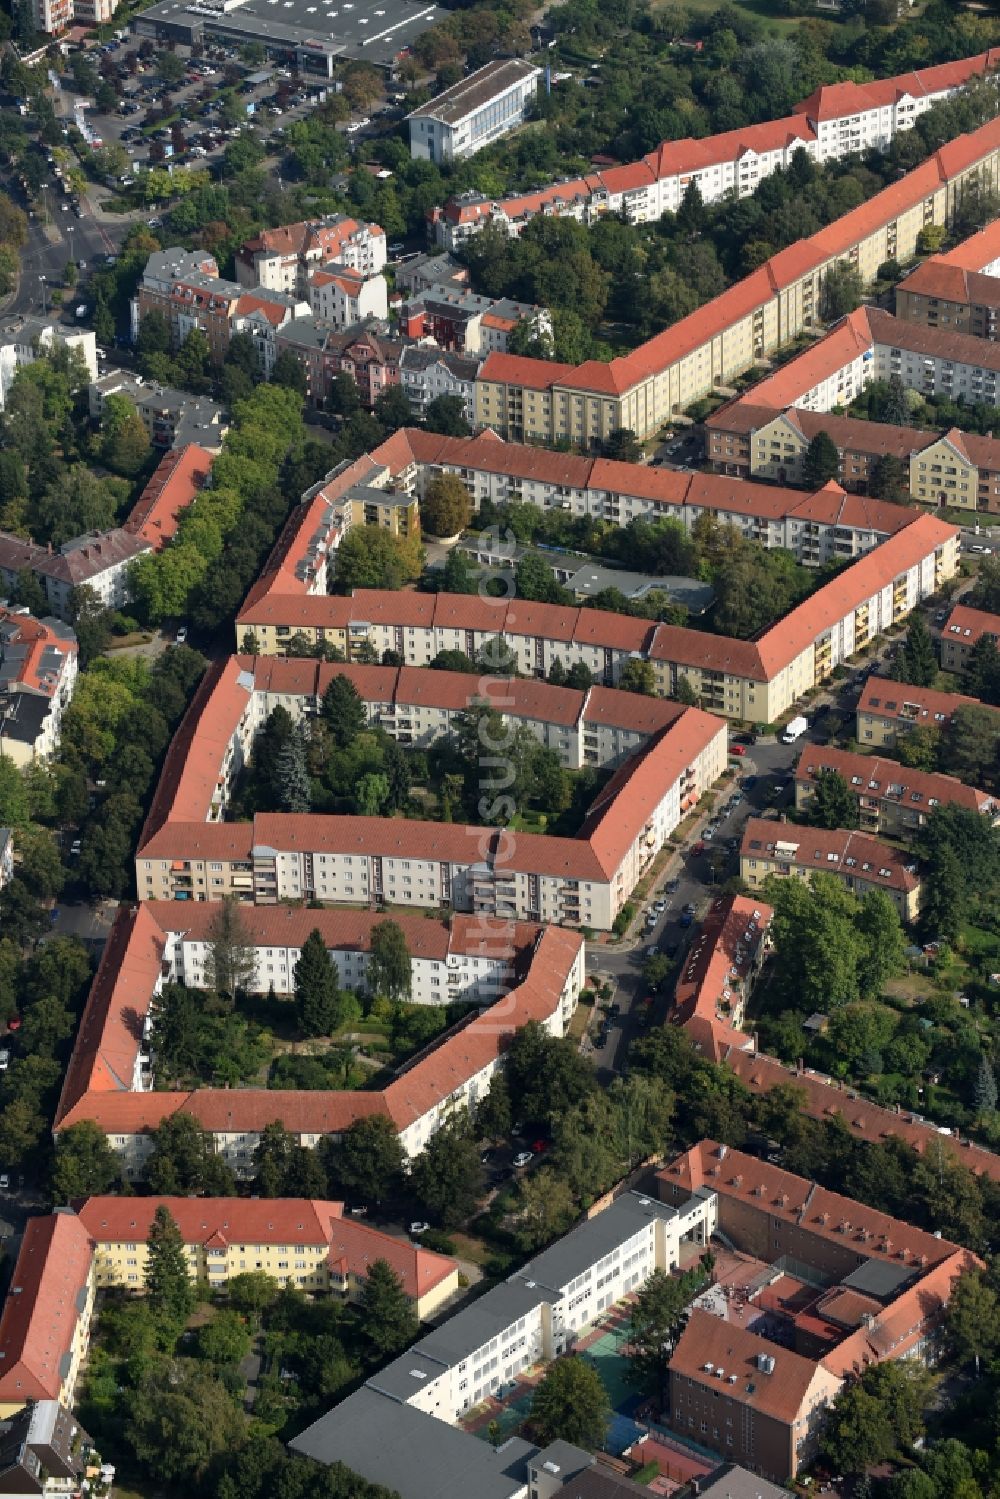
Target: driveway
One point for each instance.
(770, 765)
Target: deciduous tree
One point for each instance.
(571, 1405)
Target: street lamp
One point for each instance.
(41, 281)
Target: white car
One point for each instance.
(419, 1228)
(4, 1182)
(4, 1060)
(182, 635)
(522, 1158)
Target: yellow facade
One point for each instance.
(123, 1266)
(940, 474)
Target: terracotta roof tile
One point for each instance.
(42, 1308)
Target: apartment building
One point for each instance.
(474, 112)
(460, 321)
(284, 259)
(891, 797)
(187, 853)
(963, 629)
(535, 400)
(39, 660)
(300, 1242)
(836, 1288)
(816, 528)
(110, 1078)
(342, 297)
(45, 1323)
(835, 121)
(722, 966)
(32, 336)
(175, 484)
(535, 1316)
(185, 286)
(427, 373)
(66, 1257)
(172, 418)
(747, 680)
(888, 710)
(861, 863)
(44, 1453)
(958, 290)
(953, 468)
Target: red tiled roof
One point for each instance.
(42, 1308)
(175, 484)
(967, 626)
(515, 369)
(838, 852)
(708, 1339)
(911, 705)
(719, 958)
(781, 644)
(873, 775)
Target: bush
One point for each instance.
(623, 920)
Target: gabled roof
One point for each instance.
(44, 1303)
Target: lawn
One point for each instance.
(768, 11)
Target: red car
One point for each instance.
(699, 847)
(737, 749)
(540, 1147)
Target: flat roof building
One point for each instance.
(474, 112)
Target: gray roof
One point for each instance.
(733, 1482)
(430, 270)
(424, 357)
(357, 33)
(175, 262)
(576, 1251)
(414, 1453)
(22, 716)
(879, 1278)
(305, 331)
(470, 94)
(592, 578)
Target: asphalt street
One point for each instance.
(769, 765)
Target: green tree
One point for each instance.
(371, 793)
(919, 747)
(544, 1208)
(224, 1340)
(272, 1159)
(889, 479)
(371, 557)
(182, 1161)
(125, 445)
(252, 1291)
(14, 808)
(447, 1177)
(843, 290)
(181, 1420)
(390, 1322)
(883, 949)
(985, 1092)
(169, 1288)
(832, 804)
(343, 712)
(289, 372)
(821, 462)
(230, 961)
(659, 1314)
(972, 1318)
(446, 506)
(623, 446)
(292, 776)
(389, 967)
(981, 677)
(638, 676)
(945, 901)
(29, 594)
(970, 743)
(367, 1161)
(571, 1405)
(84, 1165)
(446, 414)
(816, 938)
(317, 997)
(916, 663)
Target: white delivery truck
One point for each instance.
(794, 729)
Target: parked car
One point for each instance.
(523, 1158)
(699, 847)
(672, 886)
(419, 1228)
(182, 635)
(739, 750)
(686, 919)
(4, 1060)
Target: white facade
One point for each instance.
(33, 336)
(423, 380)
(344, 297)
(473, 113)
